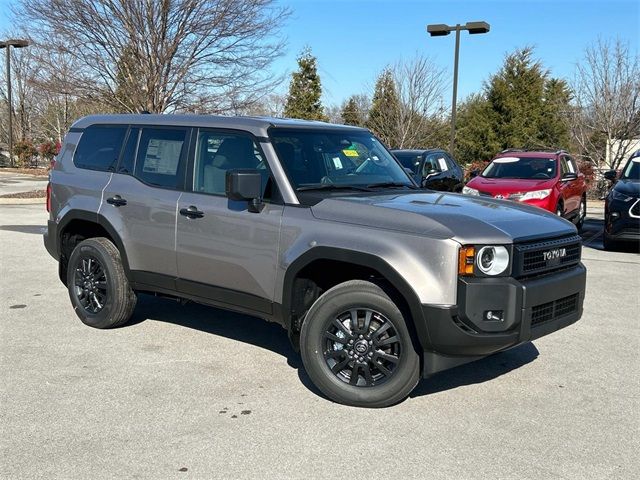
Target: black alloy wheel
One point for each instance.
(90, 284)
(362, 347)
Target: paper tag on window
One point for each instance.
(443, 164)
(337, 163)
(350, 153)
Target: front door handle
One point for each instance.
(191, 212)
(116, 201)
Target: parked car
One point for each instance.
(622, 205)
(549, 180)
(433, 169)
(314, 226)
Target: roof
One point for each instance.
(257, 125)
(415, 151)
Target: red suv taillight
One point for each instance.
(49, 197)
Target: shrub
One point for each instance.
(25, 151)
(479, 165)
(49, 149)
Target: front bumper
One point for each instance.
(621, 222)
(530, 308)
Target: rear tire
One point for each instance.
(98, 287)
(356, 346)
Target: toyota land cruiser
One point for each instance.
(314, 226)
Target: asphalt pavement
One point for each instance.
(17, 182)
(191, 392)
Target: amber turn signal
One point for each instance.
(466, 260)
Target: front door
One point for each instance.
(225, 252)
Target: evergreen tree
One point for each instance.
(305, 90)
(521, 107)
(350, 114)
(385, 106)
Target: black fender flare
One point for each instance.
(365, 260)
(99, 220)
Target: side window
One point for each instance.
(571, 165)
(450, 163)
(435, 163)
(219, 151)
(564, 167)
(161, 155)
(99, 147)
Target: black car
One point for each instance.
(433, 169)
(622, 205)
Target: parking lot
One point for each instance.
(195, 392)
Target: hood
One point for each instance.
(464, 218)
(505, 186)
(628, 186)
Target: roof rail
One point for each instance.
(550, 150)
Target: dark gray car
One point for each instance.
(314, 226)
(434, 169)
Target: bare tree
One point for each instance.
(162, 55)
(419, 86)
(407, 102)
(607, 94)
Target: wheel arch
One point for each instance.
(380, 271)
(82, 224)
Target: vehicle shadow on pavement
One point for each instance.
(262, 334)
(479, 371)
(235, 326)
(592, 232)
(34, 229)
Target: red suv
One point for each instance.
(549, 180)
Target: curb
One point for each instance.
(23, 201)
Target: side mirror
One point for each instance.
(610, 175)
(569, 176)
(474, 173)
(245, 185)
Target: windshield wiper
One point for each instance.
(332, 186)
(391, 184)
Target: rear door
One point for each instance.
(435, 172)
(141, 199)
(226, 253)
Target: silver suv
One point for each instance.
(314, 226)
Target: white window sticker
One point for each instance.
(443, 164)
(162, 156)
(506, 160)
(337, 163)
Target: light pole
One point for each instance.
(440, 30)
(15, 43)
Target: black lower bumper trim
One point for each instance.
(459, 334)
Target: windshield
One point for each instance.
(632, 169)
(409, 160)
(335, 157)
(533, 168)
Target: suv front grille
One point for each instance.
(556, 309)
(546, 256)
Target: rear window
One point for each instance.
(99, 147)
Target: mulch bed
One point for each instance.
(31, 194)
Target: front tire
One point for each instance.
(582, 214)
(356, 346)
(98, 287)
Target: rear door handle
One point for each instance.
(191, 212)
(116, 201)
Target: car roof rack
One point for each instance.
(550, 150)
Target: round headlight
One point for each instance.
(492, 260)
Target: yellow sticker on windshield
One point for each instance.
(351, 153)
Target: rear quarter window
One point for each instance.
(99, 147)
